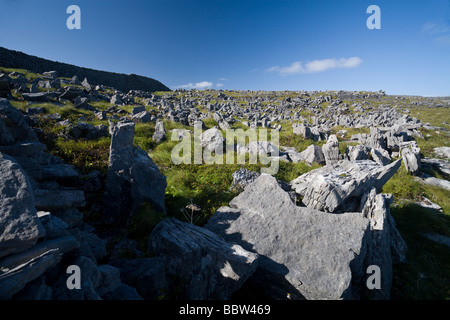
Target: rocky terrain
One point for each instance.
(87, 180)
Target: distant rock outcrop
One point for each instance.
(15, 59)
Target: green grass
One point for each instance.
(403, 186)
(86, 156)
(350, 131)
(289, 139)
(26, 73)
(426, 274)
(289, 171)
(143, 222)
(434, 140)
(101, 105)
(434, 116)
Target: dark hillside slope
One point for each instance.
(123, 82)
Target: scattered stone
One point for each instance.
(242, 178)
(358, 152)
(11, 282)
(443, 151)
(137, 110)
(438, 238)
(432, 181)
(427, 203)
(35, 97)
(51, 74)
(380, 156)
(72, 93)
(442, 166)
(82, 103)
(83, 130)
(411, 159)
(49, 200)
(160, 132)
(142, 117)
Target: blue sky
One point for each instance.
(245, 44)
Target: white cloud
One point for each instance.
(223, 79)
(439, 30)
(435, 27)
(198, 85)
(444, 40)
(219, 85)
(315, 66)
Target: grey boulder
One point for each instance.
(212, 139)
(20, 227)
(443, 151)
(304, 253)
(313, 154)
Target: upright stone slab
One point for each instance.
(331, 150)
(132, 178)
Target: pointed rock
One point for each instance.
(132, 179)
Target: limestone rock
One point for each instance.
(380, 156)
(411, 159)
(210, 267)
(443, 151)
(313, 154)
(14, 120)
(212, 139)
(388, 245)
(339, 188)
(160, 132)
(331, 150)
(358, 152)
(147, 275)
(20, 227)
(304, 253)
(16, 279)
